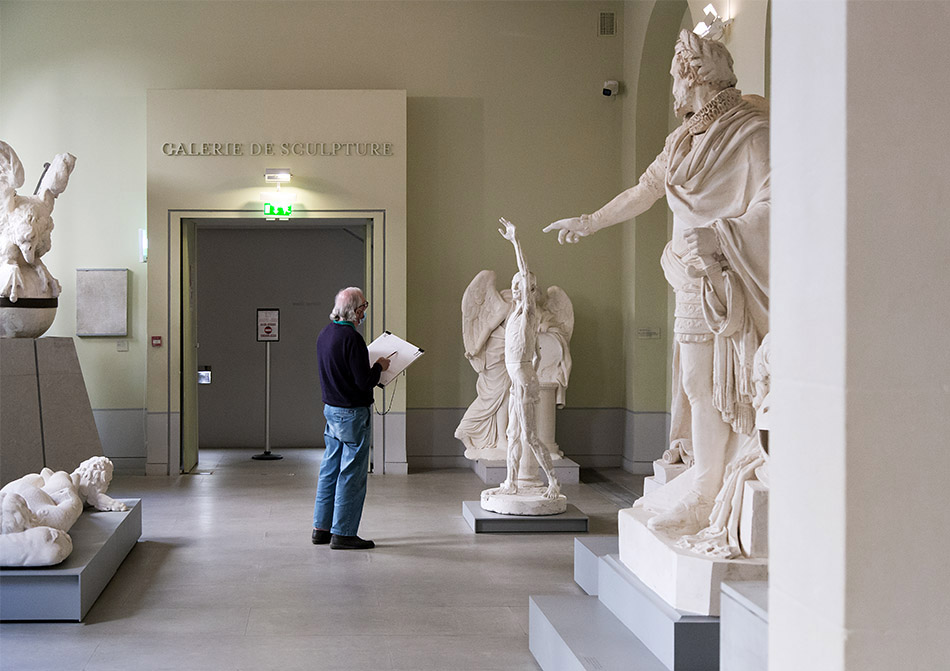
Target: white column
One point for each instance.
(861, 323)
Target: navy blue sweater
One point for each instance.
(345, 373)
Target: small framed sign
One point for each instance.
(268, 324)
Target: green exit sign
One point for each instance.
(278, 209)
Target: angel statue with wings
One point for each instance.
(506, 328)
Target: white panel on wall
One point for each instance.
(102, 299)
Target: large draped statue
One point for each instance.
(714, 172)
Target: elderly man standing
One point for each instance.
(714, 172)
(348, 380)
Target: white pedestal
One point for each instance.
(664, 472)
(754, 521)
(650, 484)
(493, 472)
(685, 580)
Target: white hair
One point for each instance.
(346, 303)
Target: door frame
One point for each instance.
(376, 286)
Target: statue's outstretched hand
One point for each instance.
(508, 232)
(569, 230)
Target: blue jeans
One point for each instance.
(341, 486)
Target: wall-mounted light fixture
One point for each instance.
(143, 246)
(714, 26)
(277, 204)
(278, 175)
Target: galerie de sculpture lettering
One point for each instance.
(277, 149)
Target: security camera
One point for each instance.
(611, 88)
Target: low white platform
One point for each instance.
(569, 633)
(587, 553)
(494, 471)
(101, 541)
(483, 521)
(687, 581)
(744, 626)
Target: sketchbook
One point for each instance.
(399, 352)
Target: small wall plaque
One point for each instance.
(102, 302)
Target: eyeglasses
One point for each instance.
(363, 306)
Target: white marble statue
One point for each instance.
(26, 225)
(516, 495)
(714, 172)
(484, 314)
(25, 540)
(40, 508)
(722, 538)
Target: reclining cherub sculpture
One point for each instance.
(38, 510)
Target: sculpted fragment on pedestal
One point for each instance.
(28, 291)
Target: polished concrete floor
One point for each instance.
(225, 577)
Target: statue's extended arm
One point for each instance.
(509, 233)
(633, 202)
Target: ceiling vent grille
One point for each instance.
(607, 26)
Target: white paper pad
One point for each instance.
(399, 352)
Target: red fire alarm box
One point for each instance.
(156, 341)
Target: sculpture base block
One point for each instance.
(650, 484)
(101, 541)
(664, 472)
(587, 554)
(567, 632)
(528, 501)
(685, 580)
(682, 641)
(744, 626)
(494, 471)
(482, 521)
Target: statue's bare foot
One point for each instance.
(553, 491)
(688, 517)
(507, 487)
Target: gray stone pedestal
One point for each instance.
(45, 415)
(101, 541)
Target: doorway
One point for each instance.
(232, 267)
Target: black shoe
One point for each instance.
(350, 543)
(320, 537)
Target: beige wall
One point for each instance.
(505, 117)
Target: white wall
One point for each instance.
(859, 320)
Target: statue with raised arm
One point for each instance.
(482, 429)
(714, 172)
(517, 495)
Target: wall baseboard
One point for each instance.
(593, 437)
